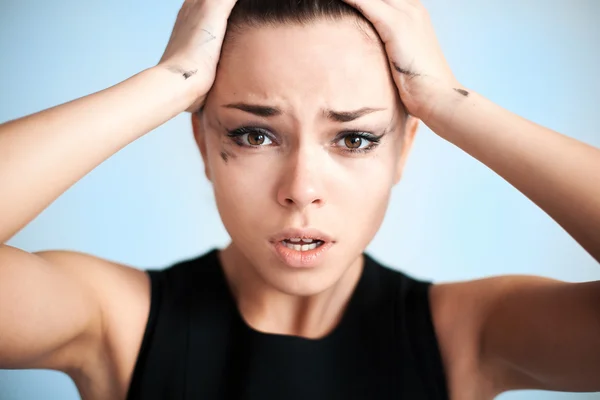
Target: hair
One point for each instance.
(256, 13)
(249, 14)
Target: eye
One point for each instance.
(250, 137)
(257, 138)
(354, 142)
(358, 142)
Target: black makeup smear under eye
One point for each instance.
(225, 157)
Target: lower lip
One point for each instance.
(301, 259)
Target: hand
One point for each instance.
(418, 64)
(195, 44)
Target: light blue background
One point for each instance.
(451, 218)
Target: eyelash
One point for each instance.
(237, 134)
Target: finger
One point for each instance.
(223, 5)
(377, 12)
(401, 3)
(372, 9)
(411, 8)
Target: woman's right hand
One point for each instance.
(68, 141)
(195, 45)
(42, 155)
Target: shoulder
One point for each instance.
(461, 313)
(92, 270)
(114, 285)
(122, 293)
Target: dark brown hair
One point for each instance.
(255, 13)
(248, 14)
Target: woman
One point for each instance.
(292, 308)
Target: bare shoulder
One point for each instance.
(123, 293)
(98, 272)
(465, 312)
(456, 309)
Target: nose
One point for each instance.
(301, 182)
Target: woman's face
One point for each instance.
(282, 145)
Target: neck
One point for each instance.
(267, 309)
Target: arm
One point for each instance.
(50, 309)
(539, 333)
(534, 333)
(44, 154)
(558, 173)
(53, 308)
(53, 305)
(518, 332)
(32, 328)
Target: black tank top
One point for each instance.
(198, 346)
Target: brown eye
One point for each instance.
(357, 141)
(256, 139)
(251, 137)
(353, 142)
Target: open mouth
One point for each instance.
(302, 244)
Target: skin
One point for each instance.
(279, 181)
(85, 316)
(518, 332)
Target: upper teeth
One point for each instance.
(296, 240)
(301, 247)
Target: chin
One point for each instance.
(294, 281)
(301, 282)
(306, 285)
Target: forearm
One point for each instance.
(558, 173)
(44, 154)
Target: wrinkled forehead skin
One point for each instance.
(304, 69)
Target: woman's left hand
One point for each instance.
(416, 59)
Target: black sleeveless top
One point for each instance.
(198, 346)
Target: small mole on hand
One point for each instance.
(462, 91)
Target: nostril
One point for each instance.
(299, 202)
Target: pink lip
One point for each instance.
(308, 233)
(301, 259)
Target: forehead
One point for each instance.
(301, 67)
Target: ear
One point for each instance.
(200, 137)
(410, 130)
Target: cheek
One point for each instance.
(243, 185)
(368, 178)
(366, 201)
(365, 197)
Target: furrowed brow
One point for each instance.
(347, 116)
(256, 109)
(269, 111)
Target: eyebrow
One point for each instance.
(347, 116)
(268, 111)
(261, 111)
